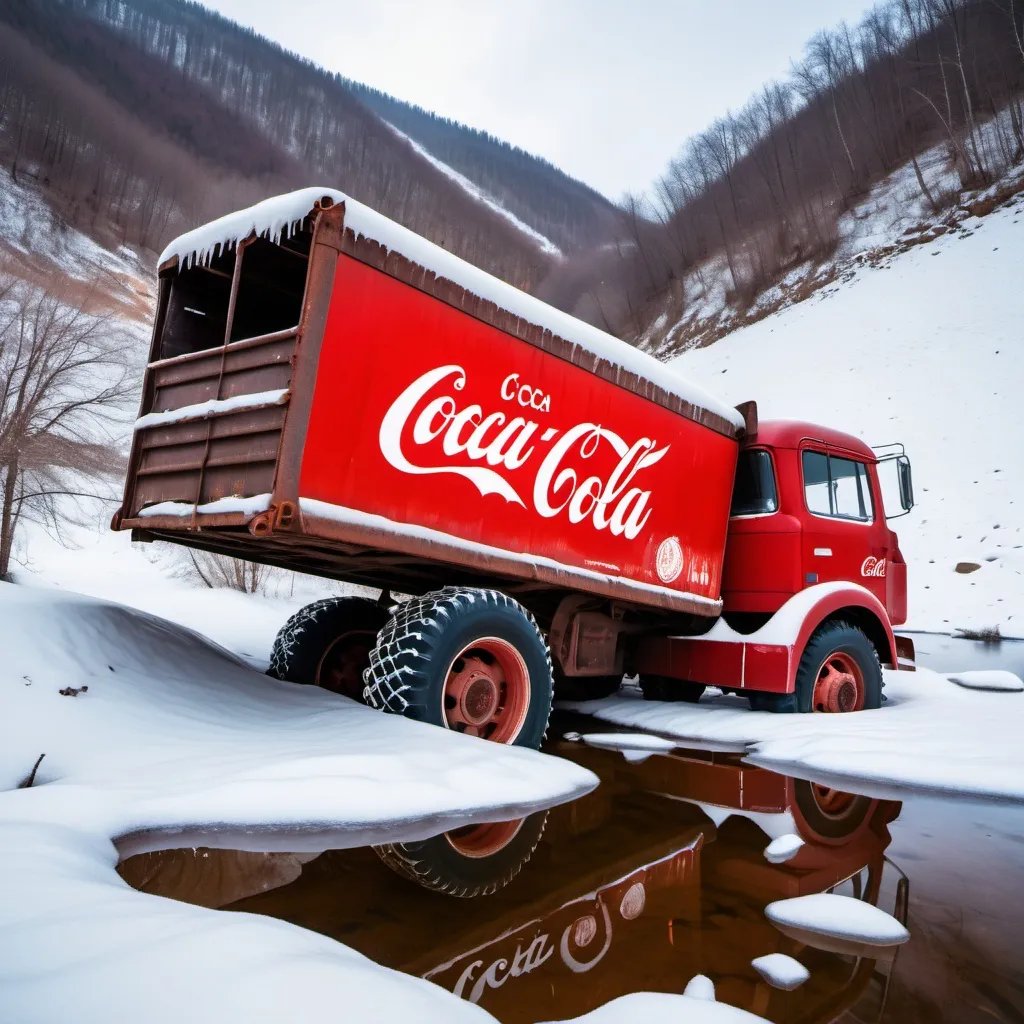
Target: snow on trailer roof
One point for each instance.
(281, 215)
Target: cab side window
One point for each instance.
(754, 493)
(837, 487)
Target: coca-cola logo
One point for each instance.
(513, 456)
(668, 562)
(872, 566)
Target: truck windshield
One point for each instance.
(754, 492)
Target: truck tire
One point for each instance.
(469, 660)
(839, 671)
(328, 644)
(669, 689)
(584, 687)
(474, 861)
(829, 816)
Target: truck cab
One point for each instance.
(807, 509)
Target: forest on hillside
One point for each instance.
(143, 118)
(567, 211)
(764, 188)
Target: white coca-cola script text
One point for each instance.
(500, 447)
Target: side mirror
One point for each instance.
(906, 483)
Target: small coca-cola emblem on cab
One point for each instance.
(872, 566)
(668, 562)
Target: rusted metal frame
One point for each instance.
(316, 303)
(395, 265)
(210, 270)
(218, 463)
(204, 521)
(148, 392)
(150, 443)
(234, 540)
(494, 563)
(233, 346)
(236, 280)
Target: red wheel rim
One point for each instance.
(839, 686)
(341, 667)
(831, 802)
(483, 840)
(487, 691)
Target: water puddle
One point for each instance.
(661, 874)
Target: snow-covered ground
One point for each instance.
(167, 731)
(135, 729)
(930, 734)
(926, 349)
(79, 944)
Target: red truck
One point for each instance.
(329, 393)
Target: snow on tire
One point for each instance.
(469, 660)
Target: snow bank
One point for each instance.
(212, 407)
(280, 215)
(784, 848)
(930, 735)
(81, 945)
(988, 679)
(176, 734)
(695, 1006)
(781, 971)
(924, 350)
(838, 917)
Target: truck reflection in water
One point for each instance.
(656, 876)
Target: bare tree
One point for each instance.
(64, 379)
(216, 571)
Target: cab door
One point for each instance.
(844, 531)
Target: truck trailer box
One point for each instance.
(330, 393)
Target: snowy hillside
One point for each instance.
(35, 243)
(480, 194)
(924, 348)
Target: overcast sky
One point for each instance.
(606, 89)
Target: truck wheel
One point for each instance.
(473, 861)
(666, 688)
(469, 660)
(584, 687)
(328, 644)
(839, 671)
(829, 816)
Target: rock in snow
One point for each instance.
(825, 916)
(781, 971)
(784, 848)
(988, 679)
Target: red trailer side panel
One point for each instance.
(428, 417)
